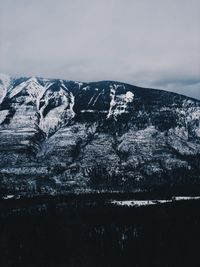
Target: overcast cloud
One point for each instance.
(147, 43)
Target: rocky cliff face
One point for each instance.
(58, 136)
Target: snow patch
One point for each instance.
(5, 81)
(86, 88)
(185, 198)
(129, 96)
(112, 102)
(8, 197)
(79, 84)
(3, 114)
(34, 89)
(59, 115)
(140, 203)
(133, 203)
(119, 102)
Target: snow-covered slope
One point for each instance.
(63, 135)
(5, 81)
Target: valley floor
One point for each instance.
(91, 230)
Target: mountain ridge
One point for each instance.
(93, 82)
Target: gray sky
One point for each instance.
(147, 43)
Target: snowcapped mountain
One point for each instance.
(58, 135)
